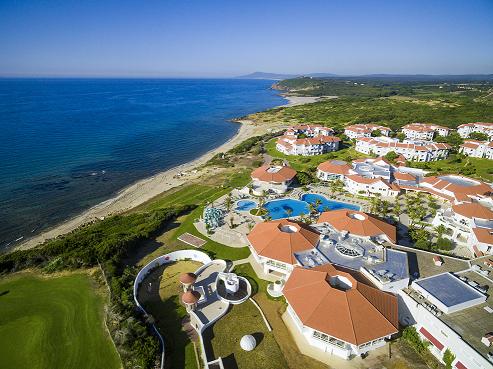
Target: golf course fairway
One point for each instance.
(53, 322)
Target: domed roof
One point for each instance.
(190, 297)
(187, 278)
(248, 342)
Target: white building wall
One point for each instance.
(412, 313)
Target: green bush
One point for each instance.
(444, 244)
(413, 338)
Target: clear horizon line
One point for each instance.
(144, 76)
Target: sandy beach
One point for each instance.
(144, 190)
(301, 100)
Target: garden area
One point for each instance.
(160, 296)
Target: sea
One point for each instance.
(68, 144)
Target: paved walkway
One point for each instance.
(212, 308)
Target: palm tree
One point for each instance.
(228, 202)
(289, 211)
(440, 230)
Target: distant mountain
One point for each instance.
(263, 75)
(280, 76)
(382, 76)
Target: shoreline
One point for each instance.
(145, 189)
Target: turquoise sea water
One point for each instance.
(67, 144)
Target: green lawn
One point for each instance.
(53, 322)
(164, 305)
(216, 249)
(227, 332)
(471, 167)
(200, 195)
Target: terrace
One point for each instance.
(384, 264)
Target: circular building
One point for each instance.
(187, 279)
(190, 298)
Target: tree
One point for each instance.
(228, 202)
(391, 156)
(440, 230)
(448, 358)
(376, 133)
(412, 336)
(444, 244)
(478, 136)
(289, 212)
(401, 136)
(304, 178)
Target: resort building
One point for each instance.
(464, 130)
(357, 184)
(455, 188)
(309, 131)
(450, 312)
(338, 311)
(357, 241)
(359, 224)
(425, 132)
(272, 179)
(410, 150)
(277, 246)
(365, 130)
(470, 223)
(477, 149)
(316, 145)
(333, 170)
(363, 176)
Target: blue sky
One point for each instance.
(226, 38)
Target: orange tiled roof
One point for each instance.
(471, 144)
(367, 226)
(335, 166)
(274, 239)
(484, 235)
(473, 210)
(481, 189)
(284, 173)
(404, 176)
(360, 179)
(357, 315)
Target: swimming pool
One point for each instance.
(284, 208)
(245, 205)
(325, 203)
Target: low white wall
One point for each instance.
(194, 255)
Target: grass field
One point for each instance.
(227, 332)
(53, 322)
(164, 305)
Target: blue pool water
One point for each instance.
(278, 209)
(245, 205)
(311, 198)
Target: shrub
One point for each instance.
(413, 338)
(444, 244)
